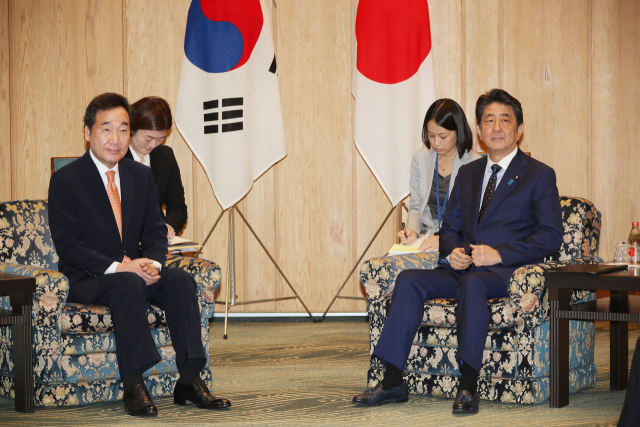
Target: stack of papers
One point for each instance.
(178, 245)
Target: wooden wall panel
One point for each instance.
(314, 191)
(614, 124)
(5, 111)
(447, 47)
(62, 54)
(573, 64)
(481, 23)
(546, 68)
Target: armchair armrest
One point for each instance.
(52, 290)
(528, 295)
(378, 275)
(207, 276)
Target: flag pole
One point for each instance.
(397, 208)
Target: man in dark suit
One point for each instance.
(111, 240)
(503, 212)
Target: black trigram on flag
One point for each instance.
(212, 116)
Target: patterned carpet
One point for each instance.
(295, 373)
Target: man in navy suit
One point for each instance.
(503, 212)
(111, 240)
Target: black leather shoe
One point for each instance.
(197, 393)
(465, 404)
(377, 396)
(137, 402)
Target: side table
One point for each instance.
(20, 290)
(618, 309)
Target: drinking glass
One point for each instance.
(620, 251)
(633, 253)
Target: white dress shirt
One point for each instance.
(145, 161)
(102, 169)
(504, 164)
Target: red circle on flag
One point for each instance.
(394, 38)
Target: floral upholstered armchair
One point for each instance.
(74, 359)
(515, 366)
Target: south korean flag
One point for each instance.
(228, 106)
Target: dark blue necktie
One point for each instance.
(491, 188)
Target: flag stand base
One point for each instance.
(398, 209)
(231, 288)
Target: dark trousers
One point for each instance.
(126, 295)
(630, 416)
(472, 290)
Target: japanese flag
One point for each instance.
(393, 86)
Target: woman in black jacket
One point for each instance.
(150, 124)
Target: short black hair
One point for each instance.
(448, 114)
(499, 96)
(104, 102)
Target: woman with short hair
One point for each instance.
(150, 124)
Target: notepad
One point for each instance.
(399, 249)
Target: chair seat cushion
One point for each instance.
(79, 319)
(102, 366)
(441, 312)
(73, 344)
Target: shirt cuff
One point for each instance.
(157, 265)
(112, 268)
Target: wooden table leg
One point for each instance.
(559, 349)
(619, 344)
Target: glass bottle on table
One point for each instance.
(634, 244)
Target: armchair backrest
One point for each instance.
(581, 221)
(24, 234)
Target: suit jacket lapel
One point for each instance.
(126, 190)
(92, 179)
(478, 175)
(517, 167)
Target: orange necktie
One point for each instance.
(114, 198)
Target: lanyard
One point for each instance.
(440, 212)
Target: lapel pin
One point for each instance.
(510, 182)
(517, 177)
